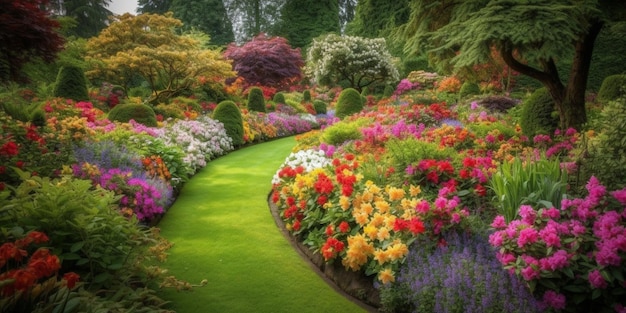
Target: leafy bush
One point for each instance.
(228, 113)
(341, 132)
(461, 275)
(319, 106)
(349, 102)
(279, 97)
(71, 84)
(500, 104)
(306, 96)
(256, 102)
(612, 88)
(140, 113)
(469, 89)
(538, 114)
(537, 182)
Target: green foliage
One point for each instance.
(229, 114)
(71, 84)
(613, 87)
(140, 113)
(343, 131)
(306, 96)
(469, 89)
(388, 92)
(540, 183)
(256, 101)
(319, 106)
(607, 152)
(279, 97)
(141, 92)
(208, 16)
(538, 114)
(15, 105)
(303, 20)
(349, 102)
(38, 118)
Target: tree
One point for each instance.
(252, 17)
(208, 16)
(266, 61)
(147, 45)
(153, 6)
(303, 20)
(347, 10)
(531, 37)
(375, 19)
(91, 15)
(26, 33)
(360, 61)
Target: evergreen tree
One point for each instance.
(208, 16)
(153, 6)
(91, 16)
(253, 17)
(375, 19)
(303, 20)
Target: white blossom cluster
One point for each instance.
(344, 57)
(309, 159)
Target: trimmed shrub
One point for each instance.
(538, 114)
(611, 88)
(256, 102)
(140, 113)
(469, 89)
(341, 132)
(71, 84)
(319, 106)
(500, 104)
(306, 96)
(229, 114)
(349, 102)
(279, 97)
(388, 91)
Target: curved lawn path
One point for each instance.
(223, 232)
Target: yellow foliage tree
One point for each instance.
(148, 45)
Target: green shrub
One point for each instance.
(537, 115)
(612, 88)
(341, 132)
(279, 97)
(38, 118)
(141, 113)
(306, 96)
(607, 152)
(256, 102)
(349, 102)
(187, 103)
(388, 92)
(140, 92)
(319, 106)
(469, 89)
(71, 84)
(228, 113)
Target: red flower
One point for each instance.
(9, 251)
(297, 225)
(43, 263)
(71, 278)
(38, 237)
(19, 164)
(321, 200)
(331, 248)
(400, 225)
(344, 227)
(480, 190)
(329, 230)
(24, 279)
(323, 185)
(416, 226)
(10, 148)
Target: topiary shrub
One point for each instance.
(349, 102)
(538, 114)
(611, 88)
(499, 104)
(306, 96)
(388, 91)
(140, 113)
(71, 84)
(279, 97)
(256, 102)
(229, 114)
(319, 106)
(469, 89)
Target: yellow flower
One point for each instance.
(373, 188)
(370, 231)
(360, 217)
(357, 253)
(395, 193)
(382, 206)
(378, 220)
(380, 256)
(397, 251)
(383, 234)
(367, 208)
(344, 202)
(386, 276)
(414, 190)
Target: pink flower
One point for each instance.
(596, 280)
(620, 195)
(554, 300)
(527, 236)
(550, 236)
(499, 222)
(496, 239)
(529, 273)
(528, 214)
(505, 258)
(552, 213)
(557, 261)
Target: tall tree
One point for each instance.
(92, 16)
(153, 6)
(347, 9)
(531, 36)
(375, 19)
(26, 32)
(252, 17)
(208, 16)
(303, 20)
(147, 45)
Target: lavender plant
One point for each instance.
(460, 274)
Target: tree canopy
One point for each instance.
(153, 6)
(91, 16)
(359, 61)
(266, 61)
(531, 36)
(26, 33)
(252, 17)
(303, 20)
(208, 16)
(147, 45)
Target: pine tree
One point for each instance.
(208, 16)
(303, 20)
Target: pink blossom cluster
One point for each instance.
(585, 238)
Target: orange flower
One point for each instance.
(386, 276)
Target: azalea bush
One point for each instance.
(573, 257)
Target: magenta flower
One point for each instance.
(527, 236)
(499, 222)
(553, 299)
(596, 280)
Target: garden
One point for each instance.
(137, 161)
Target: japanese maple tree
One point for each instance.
(266, 61)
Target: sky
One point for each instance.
(123, 6)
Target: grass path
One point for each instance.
(223, 231)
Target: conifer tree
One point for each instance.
(303, 20)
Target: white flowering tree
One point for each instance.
(360, 61)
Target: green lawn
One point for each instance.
(223, 232)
